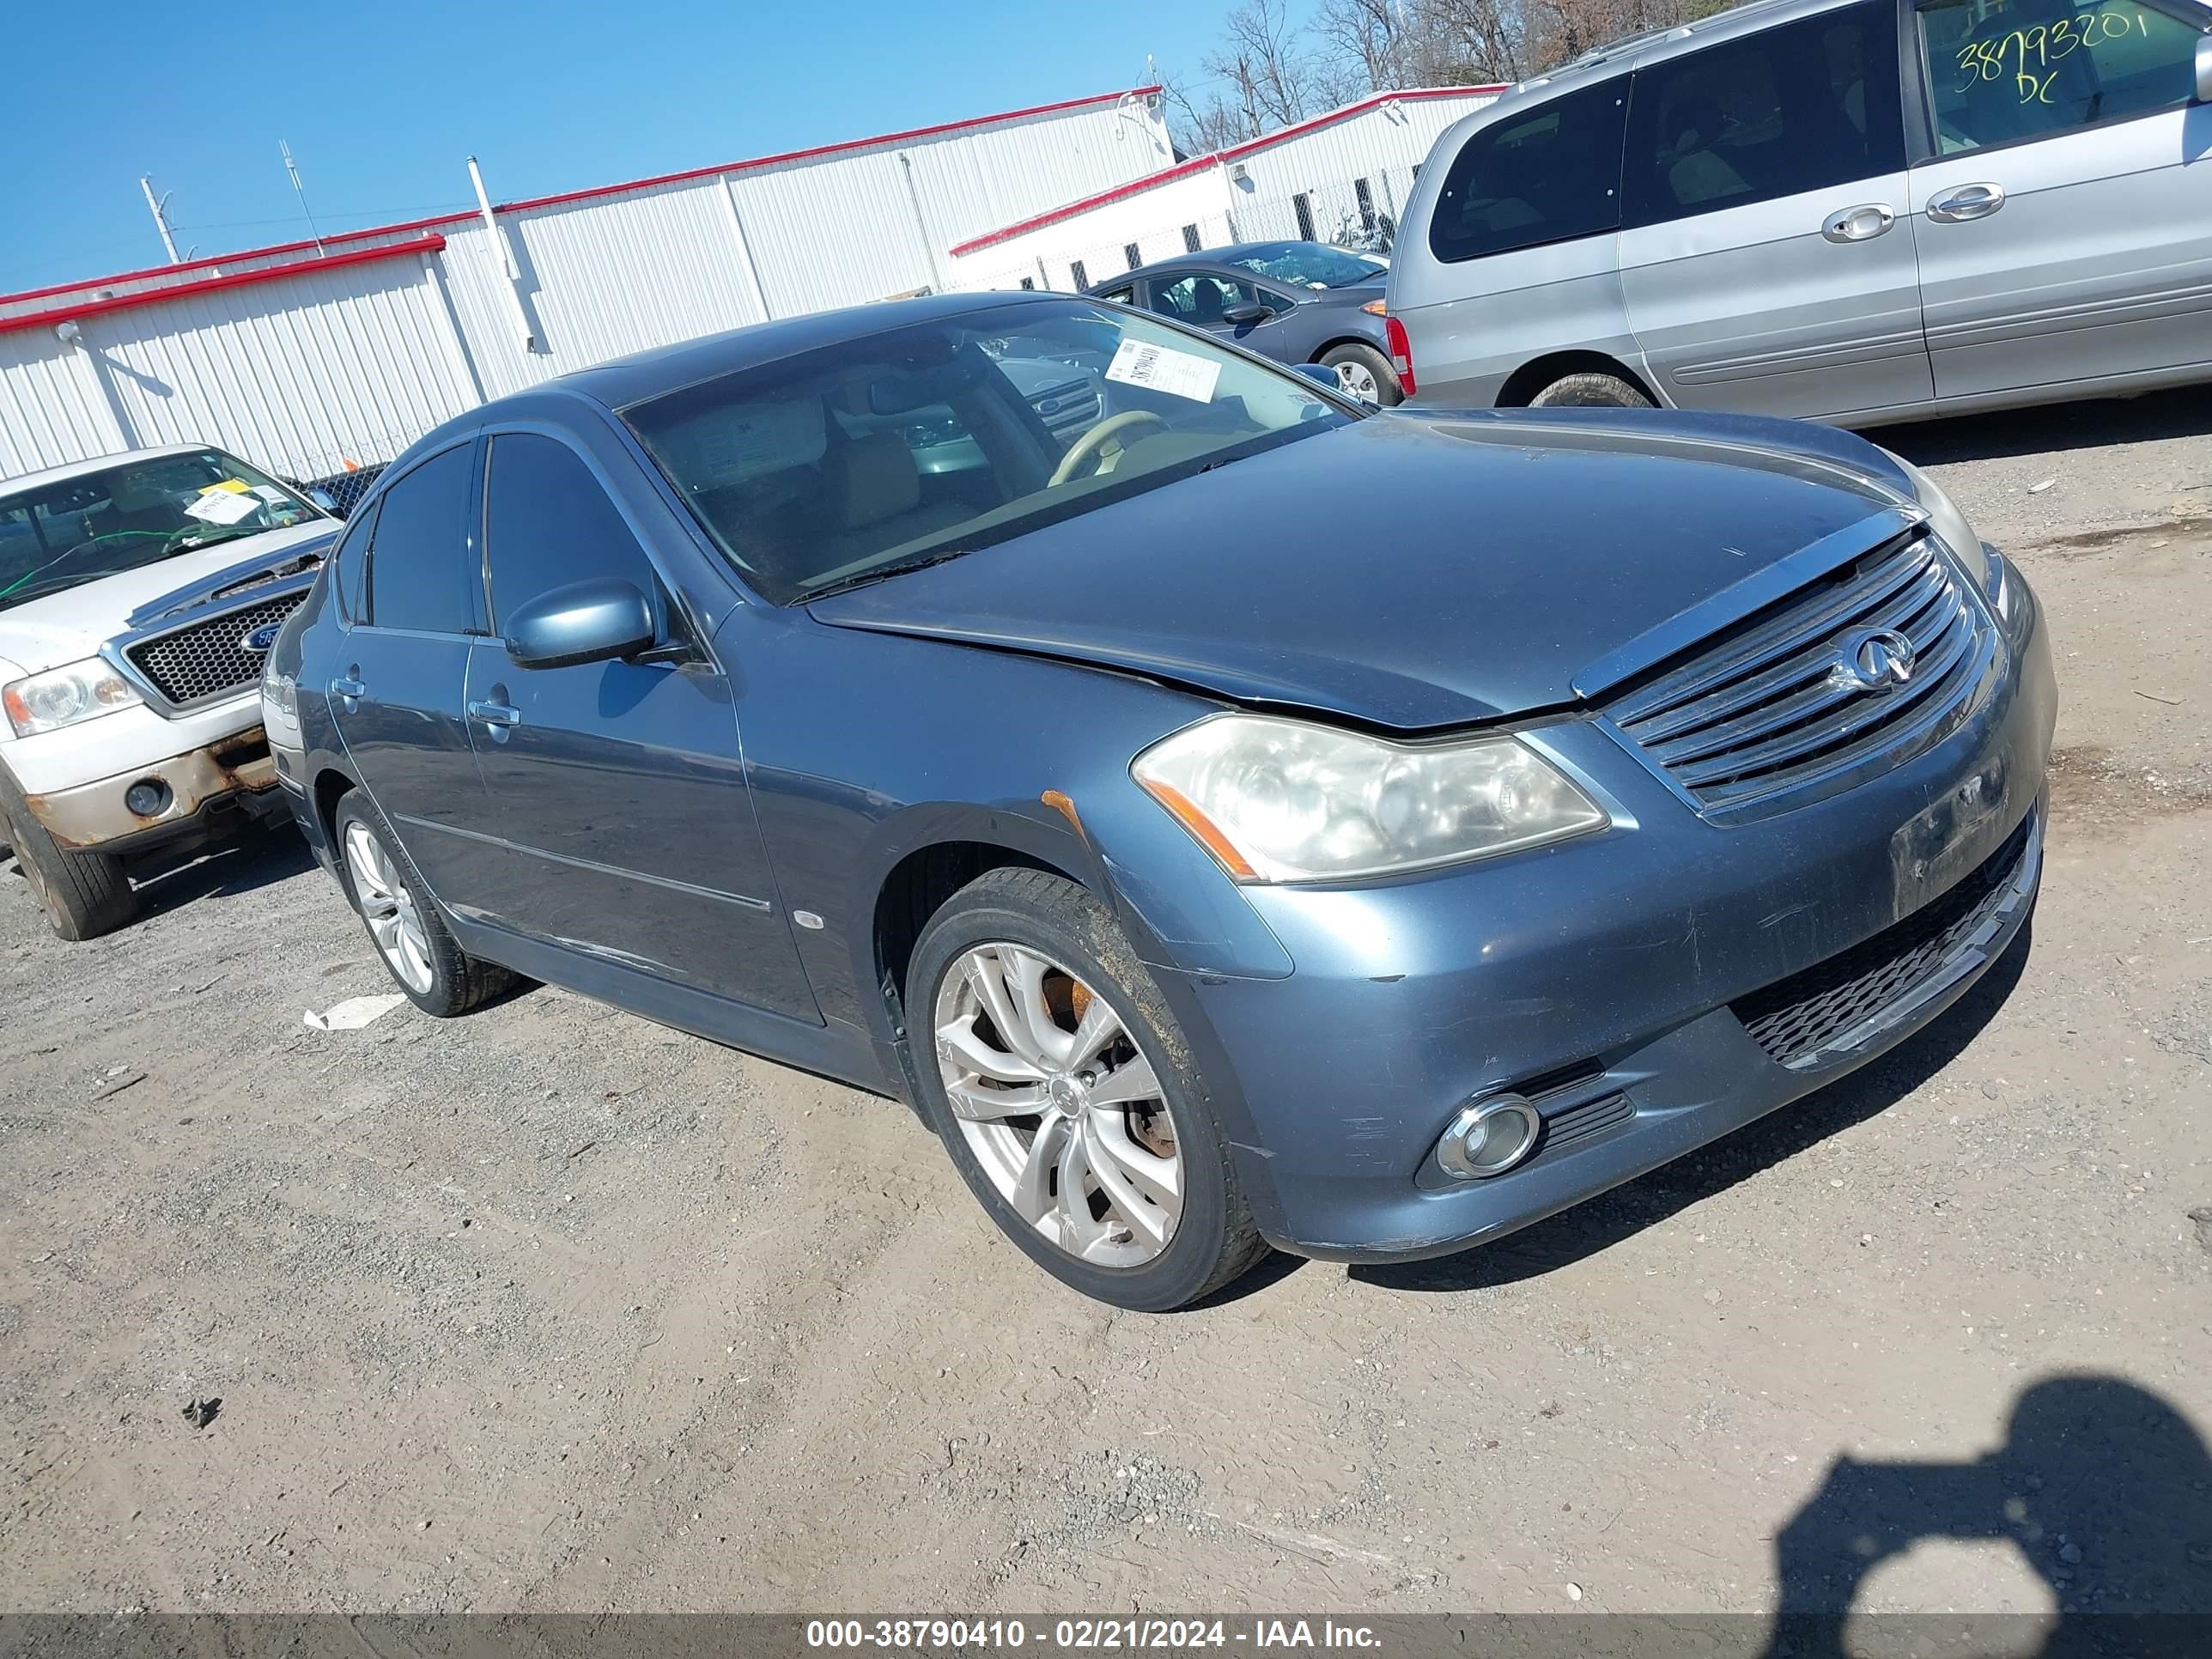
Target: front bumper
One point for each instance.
(1611, 980)
(204, 786)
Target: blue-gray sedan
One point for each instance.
(1206, 877)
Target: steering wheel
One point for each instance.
(1091, 446)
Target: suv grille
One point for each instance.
(1068, 408)
(1769, 710)
(204, 661)
(1796, 1019)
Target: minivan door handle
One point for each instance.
(1967, 202)
(1859, 224)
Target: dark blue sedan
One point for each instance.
(1208, 879)
(1293, 302)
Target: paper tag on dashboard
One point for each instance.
(221, 506)
(1157, 368)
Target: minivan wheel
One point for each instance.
(1591, 390)
(1364, 374)
(1054, 1073)
(403, 920)
(84, 895)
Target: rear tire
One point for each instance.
(84, 895)
(1158, 1138)
(411, 939)
(1590, 390)
(1360, 368)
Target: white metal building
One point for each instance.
(1320, 180)
(304, 356)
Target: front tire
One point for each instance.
(84, 895)
(404, 922)
(1056, 1076)
(1590, 390)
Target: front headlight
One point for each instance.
(1279, 800)
(62, 696)
(1945, 519)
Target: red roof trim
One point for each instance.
(154, 296)
(1200, 163)
(437, 220)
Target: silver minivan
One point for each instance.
(1851, 211)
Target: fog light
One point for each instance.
(1489, 1138)
(149, 798)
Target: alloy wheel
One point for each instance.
(389, 908)
(1059, 1104)
(1358, 381)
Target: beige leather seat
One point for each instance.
(875, 497)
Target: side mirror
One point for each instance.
(2204, 69)
(1251, 312)
(595, 621)
(1320, 373)
(328, 502)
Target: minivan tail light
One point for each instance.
(1402, 353)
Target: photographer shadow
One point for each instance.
(2102, 1486)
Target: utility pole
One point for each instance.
(155, 206)
(290, 167)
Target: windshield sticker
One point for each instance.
(272, 493)
(221, 506)
(1177, 372)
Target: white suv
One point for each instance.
(138, 594)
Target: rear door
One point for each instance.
(1766, 253)
(2064, 192)
(413, 614)
(627, 821)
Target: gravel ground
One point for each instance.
(551, 1308)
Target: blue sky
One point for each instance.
(382, 102)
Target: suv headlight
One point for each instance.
(1279, 800)
(1946, 520)
(62, 696)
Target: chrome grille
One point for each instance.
(1069, 408)
(1766, 715)
(205, 659)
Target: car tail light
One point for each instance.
(1402, 353)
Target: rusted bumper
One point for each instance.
(197, 792)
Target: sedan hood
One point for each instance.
(1418, 570)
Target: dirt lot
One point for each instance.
(552, 1309)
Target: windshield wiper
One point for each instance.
(215, 535)
(862, 578)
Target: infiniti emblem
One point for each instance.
(1873, 661)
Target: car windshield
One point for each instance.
(851, 464)
(1308, 264)
(135, 512)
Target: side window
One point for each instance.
(1549, 175)
(2043, 69)
(1803, 107)
(350, 564)
(418, 569)
(1199, 301)
(1121, 295)
(548, 523)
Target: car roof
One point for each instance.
(1207, 258)
(632, 379)
(54, 474)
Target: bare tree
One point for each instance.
(1373, 36)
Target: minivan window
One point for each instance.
(417, 570)
(548, 523)
(1802, 106)
(1548, 175)
(2042, 68)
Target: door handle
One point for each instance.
(347, 689)
(495, 713)
(1859, 224)
(1967, 202)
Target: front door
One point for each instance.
(2065, 214)
(1766, 250)
(620, 785)
(1204, 299)
(397, 696)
